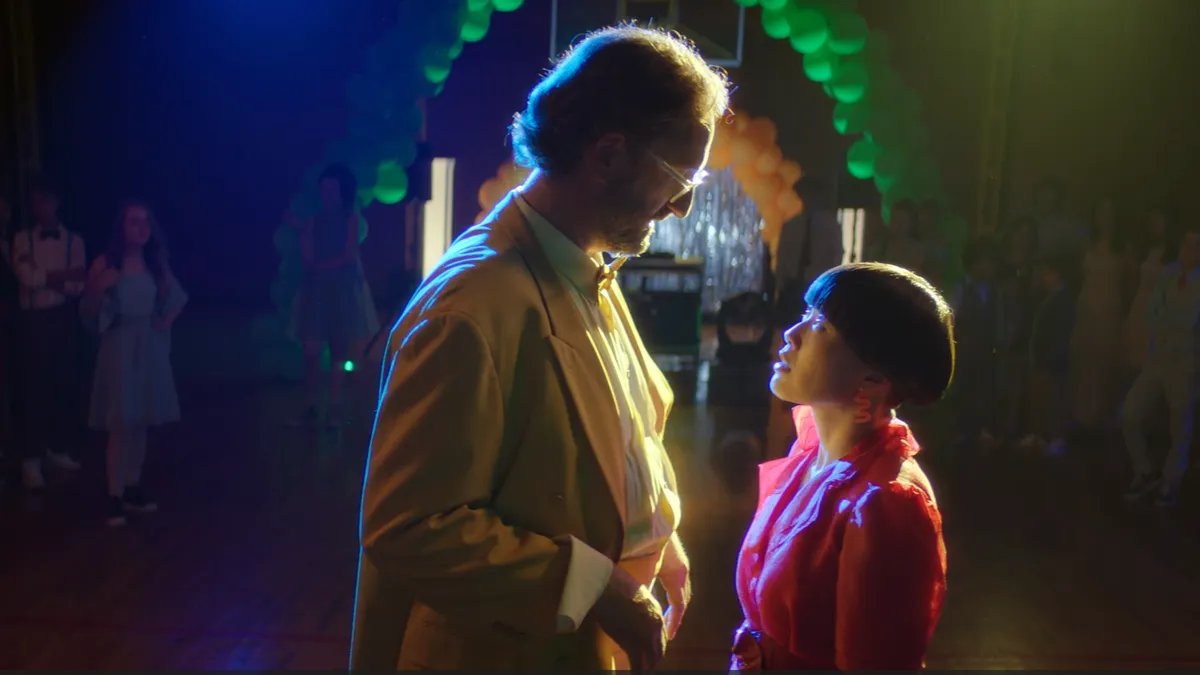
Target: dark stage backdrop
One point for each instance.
(212, 109)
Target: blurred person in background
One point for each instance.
(133, 299)
(1020, 286)
(1050, 359)
(1096, 337)
(51, 266)
(1153, 250)
(900, 243)
(334, 309)
(981, 327)
(1169, 371)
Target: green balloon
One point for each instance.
(746, 3)
(456, 49)
(773, 4)
(392, 183)
(477, 25)
(883, 184)
(478, 5)
(850, 118)
(847, 33)
(850, 81)
(828, 90)
(860, 158)
(808, 30)
(819, 65)
(889, 164)
(507, 5)
(437, 72)
(775, 24)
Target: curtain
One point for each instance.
(724, 229)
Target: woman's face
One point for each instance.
(1157, 226)
(902, 222)
(1021, 242)
(137, 226)
(1104, 216)
(331, 193)
(815, 365)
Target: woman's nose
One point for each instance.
(791, 336)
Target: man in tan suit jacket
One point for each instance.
(518, 504)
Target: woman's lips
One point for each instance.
(781, 367)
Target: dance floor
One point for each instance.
(250, 562)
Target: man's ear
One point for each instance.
(609, 150)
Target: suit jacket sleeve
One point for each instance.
(426, 522)
(891, 581)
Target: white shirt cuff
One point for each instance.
(587, 576)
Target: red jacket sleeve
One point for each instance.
(891, 580)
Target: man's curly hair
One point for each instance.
(645, 83)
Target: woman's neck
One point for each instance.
(839, 428)
(134, 254)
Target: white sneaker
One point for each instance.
(62, 460)
(31, 474)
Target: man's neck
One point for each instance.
(556, 199)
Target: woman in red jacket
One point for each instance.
(843, 566)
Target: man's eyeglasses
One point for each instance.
(687, 184)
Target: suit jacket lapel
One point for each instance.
(581, 368)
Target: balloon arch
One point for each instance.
(849, 60)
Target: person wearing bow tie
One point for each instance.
(50, 264)
(519, 503)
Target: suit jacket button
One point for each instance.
(558, 497)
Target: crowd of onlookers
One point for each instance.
(51, 297)
(1072, 329)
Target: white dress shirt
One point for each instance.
(652, 507)
(36, 252)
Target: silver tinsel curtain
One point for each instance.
(724, 228)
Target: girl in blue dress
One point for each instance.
(133, 298)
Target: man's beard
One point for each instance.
(626, 228)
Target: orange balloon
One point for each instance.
(723, 136)
(771, 187)
(772, 218)
(744, 150)
(770, 233)
(740, 122)
(790, 172)
(512, 175)
(745, 175)
(763, 130)
(789, 202)
(485, 194)
(720, 157)
(769, 159)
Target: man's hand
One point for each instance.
(676, 580)
(629, 614)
